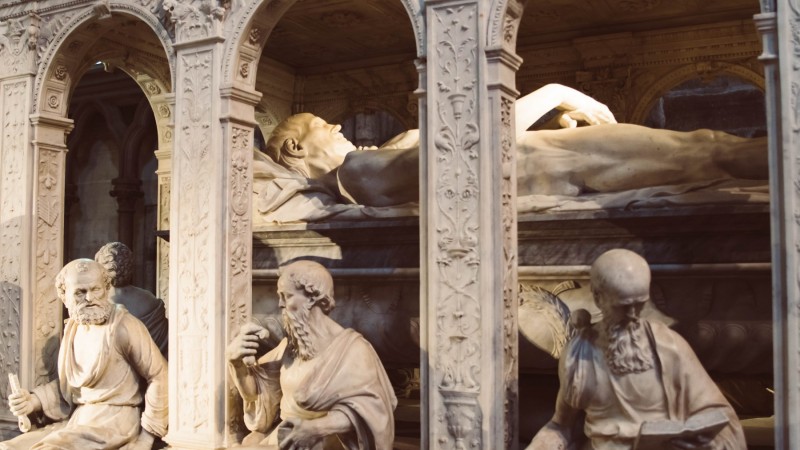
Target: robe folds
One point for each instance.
(614, 421)
(105, 405)
(347, 377)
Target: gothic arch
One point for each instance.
(686, 73)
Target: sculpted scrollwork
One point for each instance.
(509, 212)
(46, 304)
(240, 191)
(194, 171)
(458, 314)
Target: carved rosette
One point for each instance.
(194, 238)
(240, 191)
(12, 213)
(457, 369)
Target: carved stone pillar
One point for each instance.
(15, 235)
(127, 192)
(31, 177)
(468, 268)
(238, 127)
(49, 148)
(209, 222)
(779, 21)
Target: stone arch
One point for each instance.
(254, 25)
(64, 40)
(686, 73)
(504, 23)
(66, 45)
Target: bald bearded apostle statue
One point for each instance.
(111, 389)
(323, 386)
(630, 376)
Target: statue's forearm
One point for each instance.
(244, 382)
(551, 437)
(335, 422)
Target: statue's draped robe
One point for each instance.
(687, 390)
(103, 403)
(157, 325)
(347, 377)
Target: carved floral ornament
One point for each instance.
(60, 73)
(152, 88)
(254, 37)
(164, 111)
(53, 101)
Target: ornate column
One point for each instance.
(209, 259)
(779, 21)
(468, 220)
(238, 125)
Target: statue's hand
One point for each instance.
(245, 344)
(23, 403)
(303, 435)
(577, 106)
(591, 116)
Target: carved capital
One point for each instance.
(18, 42)
(195, 21)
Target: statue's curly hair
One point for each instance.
(120, 256)
(313, 279)
(79, 265)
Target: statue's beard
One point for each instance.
(628, 349)
(298, 333)
(96, 314)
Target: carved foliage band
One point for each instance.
(510, 289)
(194, 170)
(240, 189)
(47, 307)
(456, 221)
